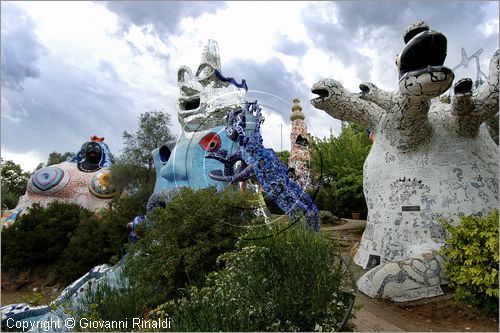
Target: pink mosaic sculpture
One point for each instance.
(84, 180)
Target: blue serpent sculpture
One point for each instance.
(243, 127)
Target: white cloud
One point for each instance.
(317, 64)
(244, 30)
(275, 131)
(28, 160)
(97, 77)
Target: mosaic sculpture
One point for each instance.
(244, 128)
(211, 151)
(298, 163)
(82, 180)
(429, 161)
(205, 100)
(220, 144)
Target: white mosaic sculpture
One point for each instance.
(429, 161)
(208, 96)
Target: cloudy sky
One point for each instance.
(74, 69)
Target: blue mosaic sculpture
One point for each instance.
(220, 144)
(244, 129)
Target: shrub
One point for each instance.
(184, 239)
(93, 242)
(347, 194)
(121, 302)
(69, 238)
(472, 267)
(14, 182)
(327, 218)
(292, 281)
(41, 235)
(342, 196)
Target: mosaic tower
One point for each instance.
(298, 163)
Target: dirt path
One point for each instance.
(437, 314)
(48, 294)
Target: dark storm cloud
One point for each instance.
(337, 40)
(382, 24)
(20, 49)
(356, 15)
(162, 17)
(290, 48)
(274, 87)
(67, 107)
(269, 83)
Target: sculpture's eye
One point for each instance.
(164, 154)
(205, 71)
(210, 142)
(184, 74)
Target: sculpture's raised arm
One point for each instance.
(486, 97)
(372, 93)
(343, 105)
(470, 109)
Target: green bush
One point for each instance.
(14, 182)
(41, 235)
(342, 196)
(93, 242)
(69, 238)
(327, 218)
(184, 239)
(472, 267)
(9, 199)
(294, 281)
(120, 303)
(347, 194)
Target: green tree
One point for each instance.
(40, 236)
(56, 158)
(68, 238)
(337, 164)
(284, 155)
(134, 168)
(14, 181)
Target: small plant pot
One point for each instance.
(356, 216)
